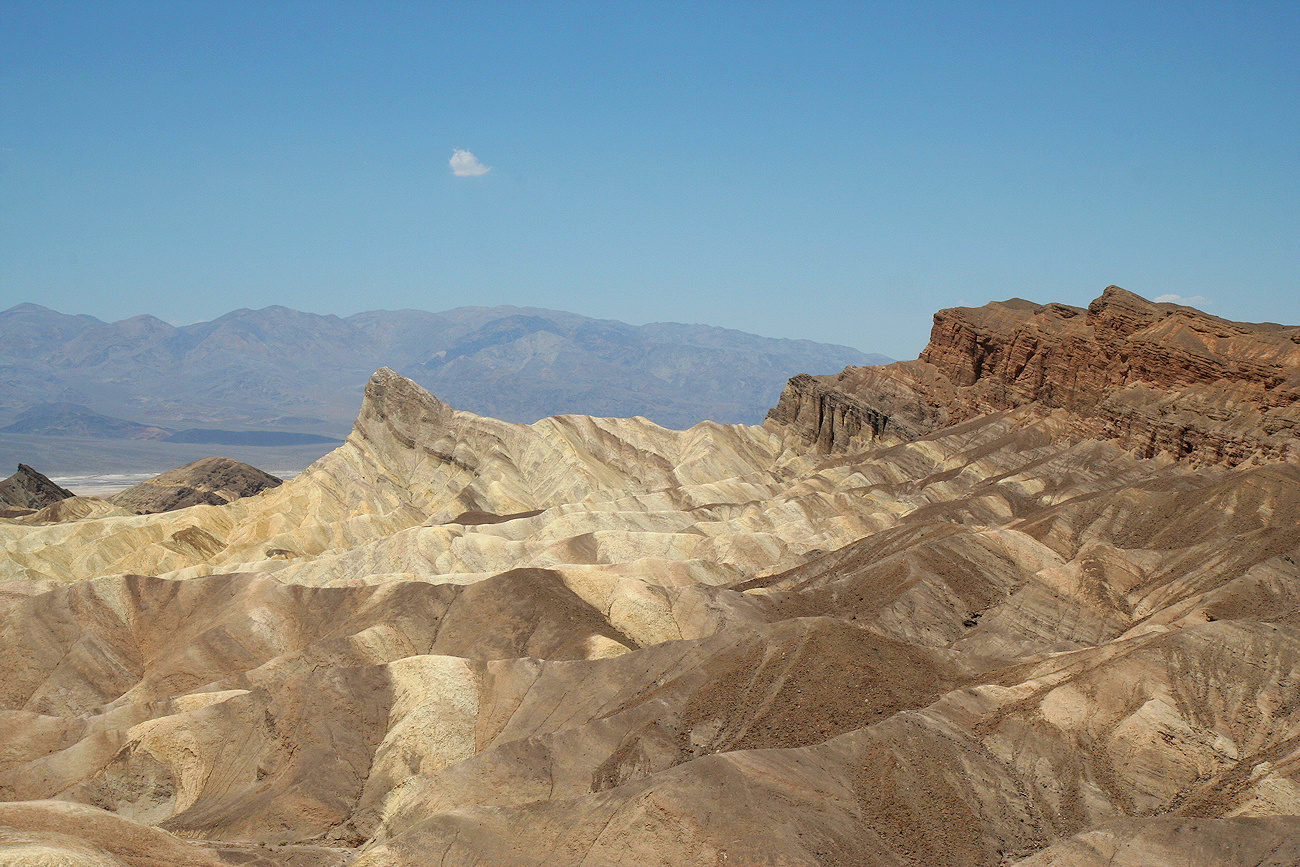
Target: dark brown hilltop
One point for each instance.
(27, 490)
(214, 481)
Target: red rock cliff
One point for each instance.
(1160, 378)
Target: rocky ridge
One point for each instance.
(70, 419)
(1008, 637)
(28, 490)
(1158, 378)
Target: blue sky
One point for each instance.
(828, 171)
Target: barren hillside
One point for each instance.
(1031, 599)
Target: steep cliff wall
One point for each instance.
(897, 402)
(1159, 378)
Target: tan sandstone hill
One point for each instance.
(960, 611)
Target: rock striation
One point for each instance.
(1161, 379)
(909, 624)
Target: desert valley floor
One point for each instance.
(1031, 599)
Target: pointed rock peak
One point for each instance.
(395, 409)
(29, 307)
(386, 385)
(28, 489)
(1120, 313)
(1113, 291)
(384, 375)
(1114, 296)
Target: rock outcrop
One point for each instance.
(29, 490)
(212, 481)
(910, 624)
(1158, 378)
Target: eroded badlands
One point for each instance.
(943, 612)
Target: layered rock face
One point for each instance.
(1158, 378)
(965, 638)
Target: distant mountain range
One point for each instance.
(75, 420)
(282, 370)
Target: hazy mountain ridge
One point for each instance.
(251, 366)
(75, 420)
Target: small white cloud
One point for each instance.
(1194, 301)
(465, 165)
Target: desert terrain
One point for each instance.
(1030, 599)
(86, 400)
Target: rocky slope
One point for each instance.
(29, 490)
(987, 638)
